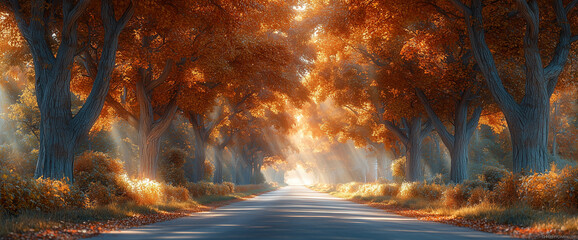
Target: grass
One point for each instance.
(38, 220)
(518, 215)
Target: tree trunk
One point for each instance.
(149, 154)
(457, 144)
(413, 164)
(218, 174)
(411, 136)
(527, 120)
(56, 155)
(555, 129)
(59, 130)
(530, 140)
(197, 167)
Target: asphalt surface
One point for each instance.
(296, 212)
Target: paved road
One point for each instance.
(296, 212)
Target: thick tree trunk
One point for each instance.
(457, 143)
(530, 139)
(527, 120)
(196, 168)
(413, 164)
(149, 154)
(411, 136)
(555, 129)
(218, 175)
(59, 130)
(56, 155)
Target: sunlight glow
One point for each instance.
(299, 176)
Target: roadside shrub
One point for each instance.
(144, 191)
(568, 189)
(252, 187)
(351, 187)
(408, 190)
(209, 188)
(539, 190)
(171, 168)
(455, 196)
(477, 196)
(371, 189)
(175, 193)
(101, 177)
(505, 192)
(492, 176)
(18, 194)
(230, 186)
(99, 194)
(431, 191)
(391, 189)
(398, 169)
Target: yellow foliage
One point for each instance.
(18, 194)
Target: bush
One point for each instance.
(101, 177)
(18, 194)
(477, 196)
(492, 176)
(209, 171)
(408, 190)
(506, 191)
(456, 196)
(171, 168)
(145, 191)
(351, 187)
(568, 189)
(252, 187)
(431, 191)
(391, 189)
(175, 193)
(398, 169)
(209, 188)
(539, 191)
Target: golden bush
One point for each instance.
(506, 191)
(175, 193)
(408, 190)
(539, 190)
(18, 194)
(477, 196)
(568, 189)
(171, 167)
(455, 196)
(209, 188)
(95, 169)
(398, 168)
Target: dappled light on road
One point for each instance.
(295, 212)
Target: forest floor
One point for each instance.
(83, 223)
(475, 217)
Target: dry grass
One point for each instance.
(548, 200)
(37, 220)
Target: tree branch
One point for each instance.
(446, 137)
(161, 79)
(121, 111)
(397, 132)
(462, 7)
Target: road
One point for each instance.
(296, 212)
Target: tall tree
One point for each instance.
(54, 43)
(527, 119)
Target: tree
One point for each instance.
(59, 129)
(527, 119)
(153, 65)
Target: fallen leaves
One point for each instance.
(67, 230)
(480, 225)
